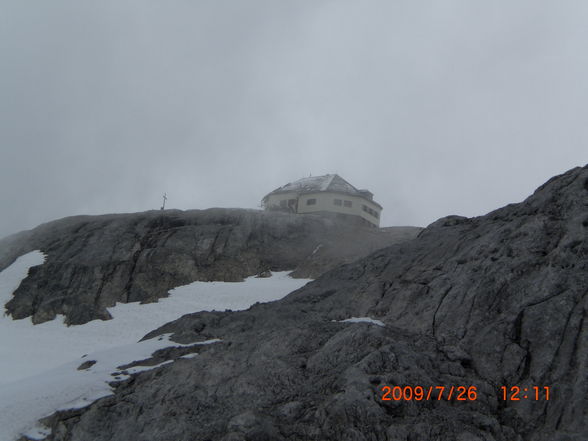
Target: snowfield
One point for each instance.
(38, 363)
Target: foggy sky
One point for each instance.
(437, 107)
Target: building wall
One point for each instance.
(325, 201)
(274, 200)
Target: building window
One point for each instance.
(367, 209)
(347, 204)
(311, 202)
(338, 202)
(284, 203)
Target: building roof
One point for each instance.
(331, 183)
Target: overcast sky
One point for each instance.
(437, 107)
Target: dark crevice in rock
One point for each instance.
(434, 324)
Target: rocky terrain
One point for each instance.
(95, 261)
(497, 300)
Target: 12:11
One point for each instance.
(516, 393)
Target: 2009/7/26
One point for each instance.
(419, 393)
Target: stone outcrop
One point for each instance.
(95, 261)
(497, 300)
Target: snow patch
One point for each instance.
(25, 401)
(38, 433)
(192, 355)
(23, 344)
(39, 363)
(11, 277)
(363, 320)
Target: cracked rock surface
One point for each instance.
(497, 300)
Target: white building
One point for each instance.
(325, 194)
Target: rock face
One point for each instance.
(95, 261)
(498, 300)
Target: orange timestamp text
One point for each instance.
(518, 393)
(427, 393)
(461, 393)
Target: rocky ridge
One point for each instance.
(498, 300)
(95, 261)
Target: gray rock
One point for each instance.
(264, 274)
(86, 365)
(497, 300)
(95, 261)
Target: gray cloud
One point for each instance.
(453, 107)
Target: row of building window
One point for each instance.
(340, 202)
(374, 213)
(291, 203)
(337, 202)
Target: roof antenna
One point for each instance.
(164, 199)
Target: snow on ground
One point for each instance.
(22, 345)
(38, 363)
(363, 320)
(24, 401)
